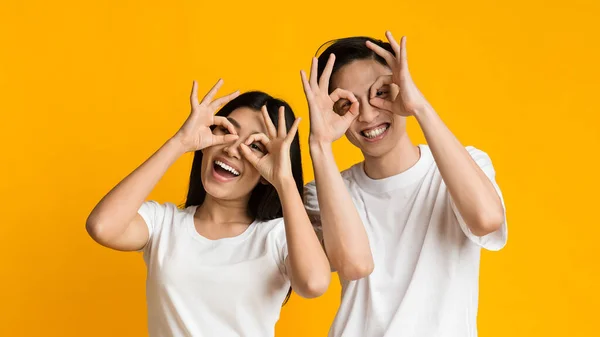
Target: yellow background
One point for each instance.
(89, 89)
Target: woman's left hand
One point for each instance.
(275, 166)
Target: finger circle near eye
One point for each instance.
(258, 137)
(380, 82)
(225, 123)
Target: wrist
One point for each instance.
(285, 184)
(422, 114)
(318, 145)
(176, 144)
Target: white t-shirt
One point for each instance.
(425, 281)
(200, 287)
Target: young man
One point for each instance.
(408, 252)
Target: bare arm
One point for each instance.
(344, 235)
(471, 190)
(306, 263)
(114, 222)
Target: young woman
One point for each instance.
(224, 264)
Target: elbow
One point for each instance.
(314, 287)
(95, 229)
(488, 222)
(356, 271)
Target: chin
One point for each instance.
(376, 151)
(214, 190)
(371, 149)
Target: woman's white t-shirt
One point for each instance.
(200, 287)
(426, 277)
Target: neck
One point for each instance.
(402, 157)
(222, 212)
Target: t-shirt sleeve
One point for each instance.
(153, 214)
(495, 240)
(281, 248)
(311, 205)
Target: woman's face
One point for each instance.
(375, 131)
(226, 174)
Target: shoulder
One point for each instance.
(162, 213)
(477, 154)
(482, 159)
(271, 231)
(153, 204)
(271, 225)
(270, 228)
(347, 176)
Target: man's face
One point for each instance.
(375, 131)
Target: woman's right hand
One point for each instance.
(327, 126)
(195, 134)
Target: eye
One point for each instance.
(341, 106)
(221, 130)
(256, 147)
(381, 93)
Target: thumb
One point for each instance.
(216, 140)
(381, 103)
(353, 112)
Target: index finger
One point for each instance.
(224, 122)
(381, 81)
(250, 157)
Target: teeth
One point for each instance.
(227, 167)
(374, 133)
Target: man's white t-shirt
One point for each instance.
(425, 280)
(200, 287)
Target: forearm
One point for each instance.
(471, 190)
(117, 209)
(346, 240)
(309, 269)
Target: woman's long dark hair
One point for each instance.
(264, 203)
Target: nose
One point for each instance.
(233, 150)
(367, 112)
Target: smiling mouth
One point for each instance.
(225, 170)
(375, 133)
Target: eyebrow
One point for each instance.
(237, 125)
(234, 122)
